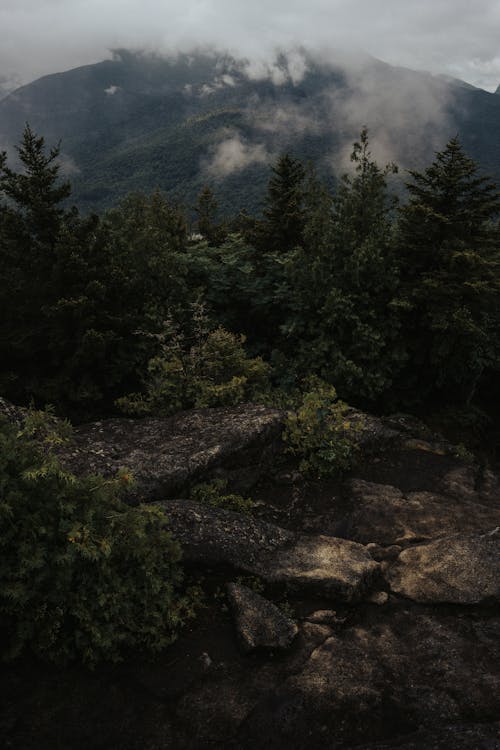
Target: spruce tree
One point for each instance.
(344, 281)
(284, 218)
(449, 252)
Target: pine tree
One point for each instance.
(284, 218)
(206, 210)
(449, 248)
(36, 191)
(344, 281)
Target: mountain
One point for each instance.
(137, 121)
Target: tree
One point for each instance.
(449, 254)
(37, 191)
(206, 218)
(344, 281)
(283, 224)
(80, 295)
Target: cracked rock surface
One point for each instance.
(376, 625)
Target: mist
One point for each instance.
(451, 37)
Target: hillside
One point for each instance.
(138, 122)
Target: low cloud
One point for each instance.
(406, 113)
(454, 37)
(67, 165)
(234, 154)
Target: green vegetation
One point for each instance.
(211, 368)
(82, 574)
(332, 296)
(391, 305)
(215, 495)
(320, 432)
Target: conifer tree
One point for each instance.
(449, 252)
(284, 218)
(206, 209)
(344, 281)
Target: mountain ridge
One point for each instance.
(138, 122)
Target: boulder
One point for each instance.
(385, 515)
(380, 679)
(260, 624)
(165, 455)
(457, 570)
(214, 536)
(323, 565)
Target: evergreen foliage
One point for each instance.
(76, 291)
(206, 210)
(211, 368)
(449, 250)
(386, 304)
(343, 281)
(320, 432)
(284, 219)
(82, 574)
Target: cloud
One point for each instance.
(405, 112)
(454, 37)
(68, 166)
(233, 154)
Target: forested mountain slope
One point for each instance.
(137, 122)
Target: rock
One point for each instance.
(259, 623)
(382, 514)
(460, 482)
(382, 679)
(379, 597)
(332, 567)
(489, 489)
(380, 553)
(324, 565)
(214, 536)
(457, 570)
(325, 617)
(165, 455)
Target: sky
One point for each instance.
(459, 38)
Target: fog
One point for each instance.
(453, 37)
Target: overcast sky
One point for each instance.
(455, 37)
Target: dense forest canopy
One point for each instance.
(141, 308)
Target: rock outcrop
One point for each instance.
(393, 597)
(456, 570)
(385, 515)
(260, 624)
(321, 565)
(388, 676)
(165, 455)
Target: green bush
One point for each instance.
(212, 369)
(320, 433)
(214, 494)
(82, 574)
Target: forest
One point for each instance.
(153, 306)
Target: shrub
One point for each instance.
(213, 370)
(320, 433)
(82, 574)
(214, 494)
